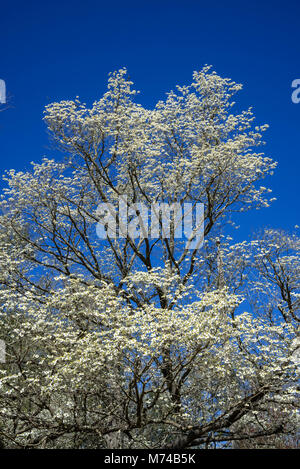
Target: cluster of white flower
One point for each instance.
(137, 340)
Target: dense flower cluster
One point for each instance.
(139, 343)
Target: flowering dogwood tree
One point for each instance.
(128, 342)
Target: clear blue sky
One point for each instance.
(54, 50)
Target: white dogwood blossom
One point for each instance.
(130, 342)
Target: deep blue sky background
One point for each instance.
(56, 50)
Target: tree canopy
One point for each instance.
(139, 342)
